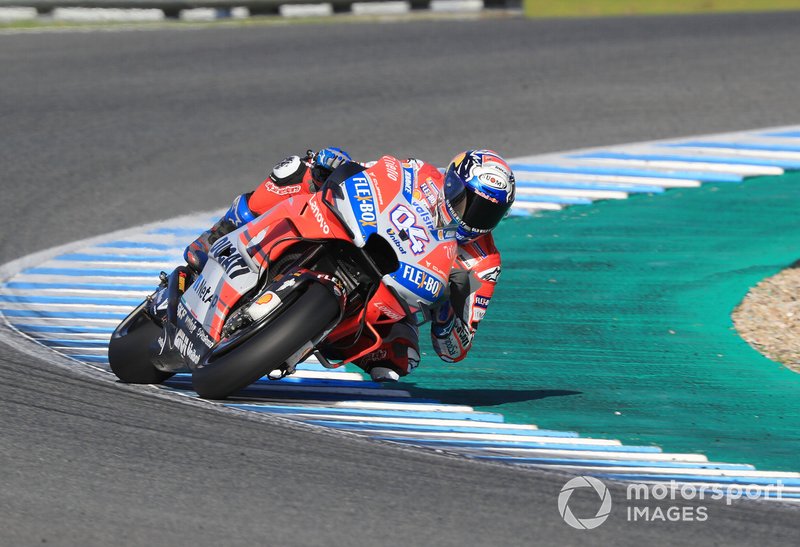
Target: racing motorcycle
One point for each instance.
(315, 275)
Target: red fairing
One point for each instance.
(268, 194)
(480, 259)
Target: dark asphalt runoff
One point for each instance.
(102, 131)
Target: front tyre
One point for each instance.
(129, 350)
(303, 320)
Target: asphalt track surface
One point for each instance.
(107, 130)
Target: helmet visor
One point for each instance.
(455, 193)
(482, 214)
(478, 213)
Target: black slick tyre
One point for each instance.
(303, 320)
(128, 350)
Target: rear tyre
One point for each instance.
(129, 350)
(303, 320)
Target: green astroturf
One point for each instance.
(613, 320)
(590, 8)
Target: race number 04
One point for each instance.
(404, 220)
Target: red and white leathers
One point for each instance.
(472, 280)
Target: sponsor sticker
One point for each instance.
(491, 274)
(388, 312)
(406, 222)
(318, 216)
(430, 191)
(363, 204)
(408, 184)
(266, 304)
(396, 242)
(422, 283)
(204, 291)
(391, 169)
(185, 347)
(281, 190)
(493, 181)
(338, 287)
(227, 255)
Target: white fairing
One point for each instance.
(390, 200)
(229, 272)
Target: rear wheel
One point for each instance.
(260, 352)
(129, 350)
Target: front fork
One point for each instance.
(164, 308)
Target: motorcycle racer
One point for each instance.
(478, 188)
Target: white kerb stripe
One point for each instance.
(665, 182)
(413, 421)
(495, 437)
(422, 407)
(549, 452)
(729, 168)
(571, 192)
(537, 206)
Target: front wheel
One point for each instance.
(129, 349)
(303, 320)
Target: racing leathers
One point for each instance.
(454, 322)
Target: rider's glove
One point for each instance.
(325, 161)
(442, 321)
(196, 254)
(450, 337)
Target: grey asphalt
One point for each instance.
(102, 131)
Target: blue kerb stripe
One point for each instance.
(569, 185)
(553, 199)
(761, 481)
(65, 328)
(94, 272)
(300, 395)
(105, 301)
(683, 175)
(616, 463)
(57, 342)
(316, 367)
(735, 146)
(64, 314)
(411, 403)
(694, 159)
(516, 444)
(138, 245)
(91, 358)
(83, 257)
(87, 286)
(286, 409)
(299, 382)
(440, 428)
(191, 232)
(320, 382)
(791, 134)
